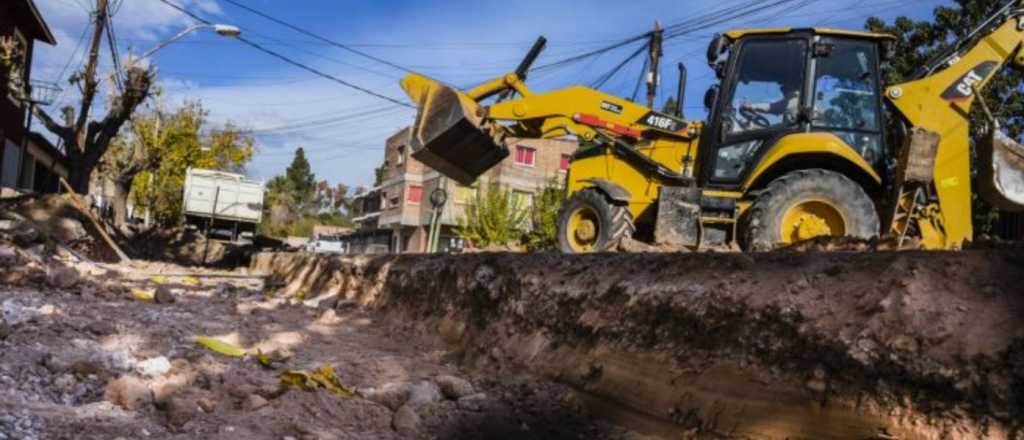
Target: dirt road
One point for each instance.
(90, 361)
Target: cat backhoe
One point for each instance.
(802, 140)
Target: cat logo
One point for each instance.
(661, 122)
(963, 88)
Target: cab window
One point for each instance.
(846, 100)
(769, 81)
(766, 97)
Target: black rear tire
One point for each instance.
(610, 223)
(847, 210)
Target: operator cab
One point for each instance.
(776, 82)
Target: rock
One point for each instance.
(9, 257)
(154, 367)
(62, 277)
(208, 405)
(70, 230)
(453, 387)
(422, 393)
(224, 288)
(64, 382)
(14, 313)
(24, 235)
(406, 422)
(163, 295)
(473, 402)
(181, 410)
(818, 381)
(101, 328)
(129, 393)
(391, 395)
(254, 402)
(5, 330)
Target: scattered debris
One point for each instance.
(220, 346)
(321, 378)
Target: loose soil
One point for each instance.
(90, 361)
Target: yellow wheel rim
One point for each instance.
(583, 230)
(812, 218)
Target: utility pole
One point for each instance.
(91, 83)
(654, 54)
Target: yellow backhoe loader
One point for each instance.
(794, 147)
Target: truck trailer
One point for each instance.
(222, 203)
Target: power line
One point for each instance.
(288, 60)
(318, 37)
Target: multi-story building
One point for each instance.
(404, 195)
(20, 27)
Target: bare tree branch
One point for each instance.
(52, 125)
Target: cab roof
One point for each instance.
(740, 33)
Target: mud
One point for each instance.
(86, 359)
(907, 345)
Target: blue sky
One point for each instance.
(461, 42)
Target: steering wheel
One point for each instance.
(754, 118)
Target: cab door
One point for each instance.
(763, 97)
(847, 98)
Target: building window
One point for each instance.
(563, 164)
(526, 156)
(401, 156)
(414, 194)
(464, 194)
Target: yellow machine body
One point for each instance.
(635, 155)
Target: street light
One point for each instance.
(224, 30)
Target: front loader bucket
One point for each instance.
(1001, 172)
(447, 135)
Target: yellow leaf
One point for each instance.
(220, 346)
(190, 281)
(321, 378)
(159, 279)
(142, 295)
(264, 359)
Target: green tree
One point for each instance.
(301, 178)
(544, 216)
(296, 201)
(493, 217)
(918, 41)
(152, 154)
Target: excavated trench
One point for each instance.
(901, 345)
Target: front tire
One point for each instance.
(806, 204)
(589, 222)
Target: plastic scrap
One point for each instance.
(220, 346)
(321, 378)
(142, 295)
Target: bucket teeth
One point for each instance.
(1001, 174)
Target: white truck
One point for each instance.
(222, 203)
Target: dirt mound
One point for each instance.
(188, 248)
(910, 345)
(55, 220)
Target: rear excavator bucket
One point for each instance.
(1001, 171)
(447, 134)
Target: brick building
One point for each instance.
(401, 204)
(21, 26)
